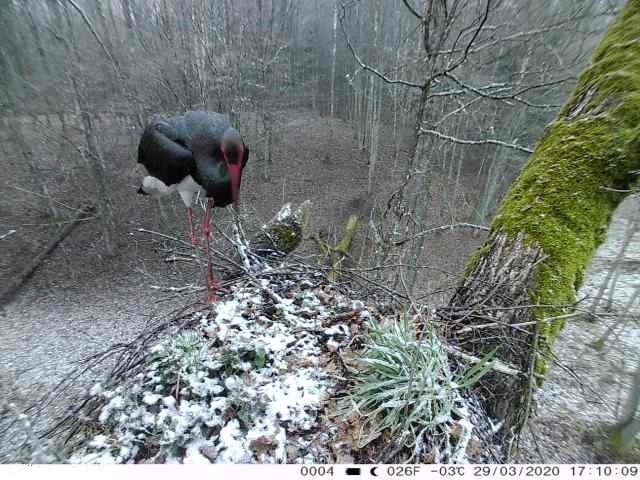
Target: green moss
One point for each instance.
(614, 72)
(344, 245)
(286, 236)
(558, 201)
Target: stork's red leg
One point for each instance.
(212, 285)
(192, 232)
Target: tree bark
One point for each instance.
(550, 223)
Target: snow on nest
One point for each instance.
(249, 383)
(284, 213)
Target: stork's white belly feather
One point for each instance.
(187, 188)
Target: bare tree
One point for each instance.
(468, 69)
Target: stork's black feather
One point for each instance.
(191, 144)
(163, 153)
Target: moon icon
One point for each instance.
(373, 471)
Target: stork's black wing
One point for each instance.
(162, 151)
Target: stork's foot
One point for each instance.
(213, 288)
(212, 298)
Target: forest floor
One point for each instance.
(81, 301)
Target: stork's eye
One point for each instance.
(231, 154)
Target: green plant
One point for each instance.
(177, 357)
(405, 387)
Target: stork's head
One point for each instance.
(234, 153)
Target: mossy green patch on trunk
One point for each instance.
(560, 202)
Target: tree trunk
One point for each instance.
(550, 224)
(333, 59)
(93, 157)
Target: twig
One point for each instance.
(463, 58)
(496, 365)
(413, 10)
(482, 326)
(489, 141)
(499, 87)
(60, 223)
(616, 190)
(515, 96)
(191, 288)
(380, 286)
(28, 271)
(24, 190)
(414, 306)
(93, 31)
(163, 235)
(241, 244)
(8, 234)
(368, 68)
(440, 229)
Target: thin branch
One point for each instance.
(89, 25)
(364, 66)
(441, 229)
(168, 237)
(489, 141)
(8, 234)
(496, 365)
(515, 96)
(482, 326)
(464, 56)
(24, 190)
(515, 36)
(615, 190)
(462, 108)
(186, 288)
(16, 283)
(412, 9)
(446, 93)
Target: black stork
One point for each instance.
(197, 151)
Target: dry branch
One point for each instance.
(514, 96)
(442, 228)
(13, 287)
(8, 234)
(369, 68)
(489, 141)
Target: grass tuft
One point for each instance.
(405, 387)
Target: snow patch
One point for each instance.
(247, 384)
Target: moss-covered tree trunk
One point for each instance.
(520, 286)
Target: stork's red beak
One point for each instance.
(235, 173)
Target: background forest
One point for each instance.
(437, 117)
(413, 115)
